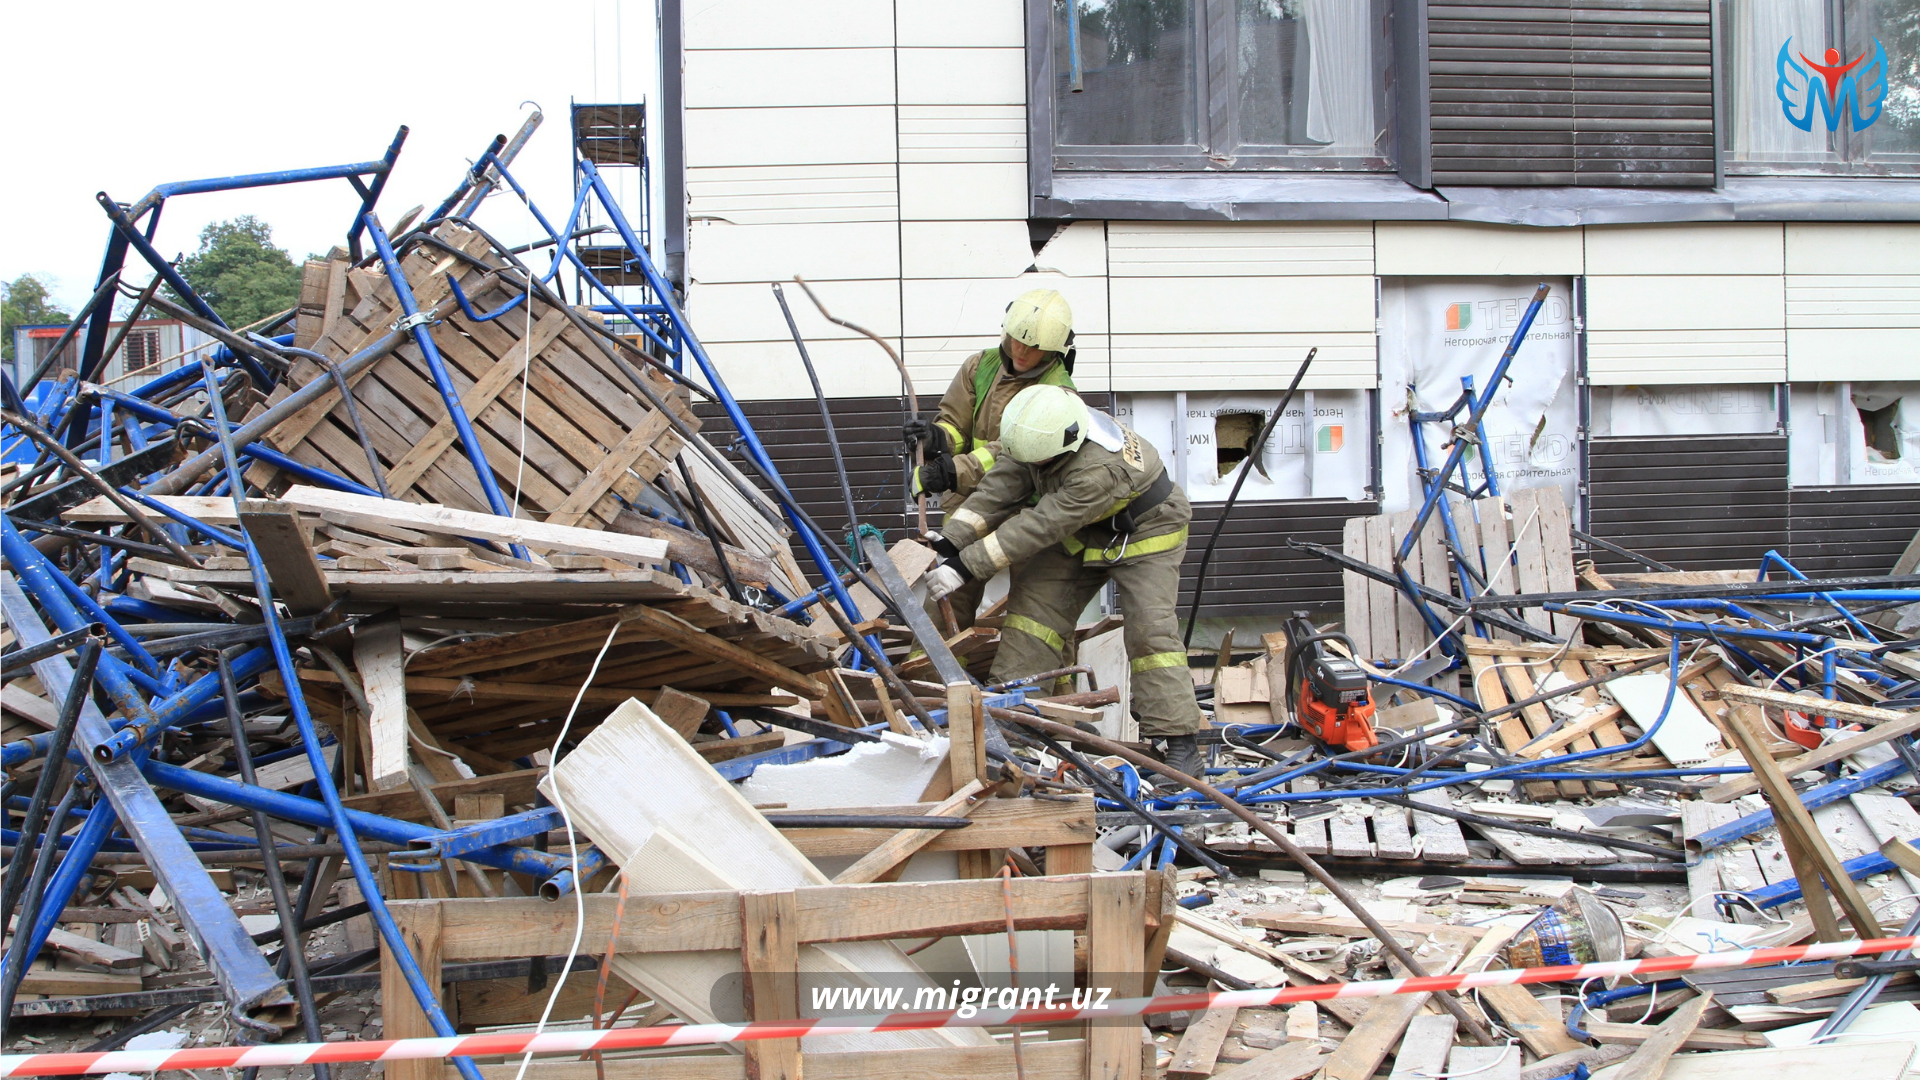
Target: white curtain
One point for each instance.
(1761, 131)
(1340, 101)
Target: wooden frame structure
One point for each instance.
(1119, 913)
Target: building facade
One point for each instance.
(1727, 215)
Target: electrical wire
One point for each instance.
(573, 848)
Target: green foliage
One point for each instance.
(27, 303)
(240, 273)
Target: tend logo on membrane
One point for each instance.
(1331, 439)
(1459, 316)
(1842, 91)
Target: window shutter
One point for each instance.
(1603, 93)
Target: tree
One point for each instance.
(27, 303)
(240, 273)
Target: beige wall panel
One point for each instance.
(945, 133)
(964, 249)
(1242, 361)
(1246, 249)
(718, 252)
(963, 76)
(1880, 354)
(1705, 302)
(976, 23)
(1853, 248)
(844, 135)
(771, 370)
(1668, 357)
(793, 194)
(1079, 250)
(1458, 248)
(1853, 300)
(747, 311)
(958, 192)
(1242, 305)
(933, 361)
(1716, 248)
(970, 309)
(749, 78)
(788, 24)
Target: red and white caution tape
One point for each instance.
(577, 1042)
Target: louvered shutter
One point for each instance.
(1603, 93)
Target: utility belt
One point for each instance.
(1121, 522)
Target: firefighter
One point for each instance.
(963, 442)
(1107, 510)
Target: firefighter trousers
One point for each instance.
(1050, 590)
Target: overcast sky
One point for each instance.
(119, 97)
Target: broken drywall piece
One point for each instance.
(892, 772)
(1686, 736)
(648, 800)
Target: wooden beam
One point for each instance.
(1116, 912)
(1541, 1029)
(1707, 1039)
(1649, 1062)
(287, 553)
(770, 959)
(379, 657)
(519, 691)
(1818, 759)
(419, 924)
(1063, 1059)
(1809, 704)
(901, 846)
(1199, 1047)
(679, 632)
(434, 518)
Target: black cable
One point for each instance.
(50, 770)
(1246, 466)
(1114, 791)
(826, 416)
(706, 526)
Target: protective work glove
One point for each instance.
(938, 473)
(942, 580)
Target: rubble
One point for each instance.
(433, 628)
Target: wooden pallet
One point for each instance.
(589, 439)
(1119, 913)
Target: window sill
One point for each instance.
(1293, 196)
(1740, 198)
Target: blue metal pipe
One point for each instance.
(305, 471)
(176, 709)
(442, 379)
(66, 602)
(371, 193)
(466, 306)
(425, 992)
(181, 517)
(162, 192)
(1811, 798)
(81, 849)
(664, 292)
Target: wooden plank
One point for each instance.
(1392, 838)
(1514, 729)
(1890, 819)
(1537, 1026)
(1812, 858)
(1530, 557)
(1703, 870)
(1116, 910)
(997, 823)
(1359, 1055)
(1519, 675)
(1063, 1059)
(1355, 588)
(419, 925)
(684, 713)
(1423, 1052)
(1290, 1062)
(447, 520)
(966, 719)
(1649, 1062)
(1347, 834)
(1411, 629)
(1199, 1047)
(900, 847)
(88, 950)
(770, 957)
(18, 701)
(284, 549)
(1439, 838)
(1810, 704)
(1303, 1021)
(1556, 540)
(1496, 550)
(1700, 1039)
(1817, 759)
(1382, 600)
(617, 461)
(47, 983)
(1484, 1062)
(379, 657)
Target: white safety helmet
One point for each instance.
(1040, 318)
(1042, 422)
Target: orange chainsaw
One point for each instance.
(1330, 695)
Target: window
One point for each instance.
(1823, 86)
(1218, 84)
(1847, 434)
(141, 350)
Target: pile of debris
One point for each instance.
(333, 657)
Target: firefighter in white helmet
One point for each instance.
(1106, 510)
(963, 441)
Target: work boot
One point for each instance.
(1182, 752)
